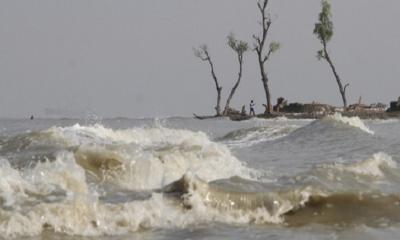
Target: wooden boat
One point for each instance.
(203, 117)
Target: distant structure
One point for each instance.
(280, 104)
(394, 106)
(243, 112)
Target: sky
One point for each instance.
(134, 58)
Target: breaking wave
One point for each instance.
(93, 180)
(138, 158)
(75, 175)
(350, 121)
(329, 128)
(373, 167)
(312, 198)
(252, 136)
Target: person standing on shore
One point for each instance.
(252, 104)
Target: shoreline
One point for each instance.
(361, 115)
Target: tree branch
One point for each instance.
(345, 87)
(259, 48)
(267, 56)
(259, 6)
(257, 39)
(263, 6)
(201, 53)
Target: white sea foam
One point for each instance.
(12, 185)
(229, 206)
(390, 121)
(80, 212)
(351, 121)
(373, 166)
(60, 196)
(83, 214)
(21, 187)
(249, 137)
(36, 205)
(63, 173)
(29, 204)
(57, 194)
(147, 158)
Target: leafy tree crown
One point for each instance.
(274, 46)
(324, 27)
(237, 45)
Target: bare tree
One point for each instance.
(240, 47)
(259, 48)
(203, 54)
(324, 31)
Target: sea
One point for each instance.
(182, 178)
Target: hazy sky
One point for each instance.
(134, 58)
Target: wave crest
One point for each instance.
(350, 121)
(141, 158)
(251, 136)
(374, 166)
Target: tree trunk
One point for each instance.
(264, 80)
(218, 107)
(219, 89)
(228, 101)
(342, 89)
(268, 110)
(203, 54)
(260, 45)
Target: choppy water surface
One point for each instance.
(180, 178)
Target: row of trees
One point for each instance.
(323, 30)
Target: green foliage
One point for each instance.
(237, 45)
(320, 54)
(201, 52)
(196, 52)
(274, 46)
(204, 47)
(324, 27)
